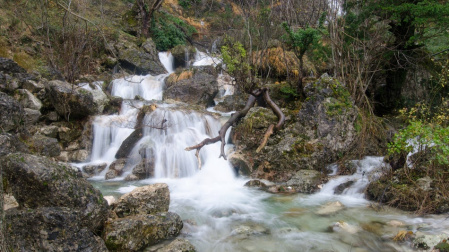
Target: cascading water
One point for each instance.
(219, 213)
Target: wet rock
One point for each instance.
(70, 102)
(92, 170)
(131, 177)
(145, 169)
(50, 229)
(428, 241)
(129, 143)
(343, 226)
(79, 156)
(177, 245)
(27, 99)
(45, 146)
(239, 164)
(330, 208)
(230, 103)
(116, 168)
(12, 115)
(148, 199)
(10, 143)
(143, 60)
(38, 182)
(183, 55)
(256, 183)
(197, 87)
(248, 230)
(134, 233)
(305, 181)
(341, 187)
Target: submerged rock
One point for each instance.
(330, 208)
(92, 170)
(148, 199)
(177, 245)
(134, 233)
(38, 182)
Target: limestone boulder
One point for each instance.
(134, 233)
(12, 115)
(45, 146)
(140, 60)
(38, 182)
(27, 99)
(196, 87)
(92, 170)
(116, 168)
(148, 199)
(70, 101)
(50, 229)
(10, 143)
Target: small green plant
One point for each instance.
(418, 136)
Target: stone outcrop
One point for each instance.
(148, 199)
(198, 86)
(45, 146)
(323, 129)
(12, 115)
(142, 220)
(37, 182)
(69, 101)
(12, 76)
(134, 233)
(10, 143)
(140, 60)
(50, 229)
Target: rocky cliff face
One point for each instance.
(322, 130)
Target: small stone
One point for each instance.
(330, 208)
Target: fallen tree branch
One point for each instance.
(222, 132)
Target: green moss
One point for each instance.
(442, 247)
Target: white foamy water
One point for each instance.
(166, 59)
(203, 59)
(148, 87)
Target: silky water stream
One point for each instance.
(219, 213)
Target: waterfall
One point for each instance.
(167, 134)
(148, 87)
(202, 59)
(167, 60)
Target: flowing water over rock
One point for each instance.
(219, 213)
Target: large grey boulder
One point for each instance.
(12, 115)
(69, 101)
(45, 146)
(100, 99)
(197, 87)
(50, 229)
(10, 143)
(38, 182)
(134, 233)
(140, 60)
(148, 199)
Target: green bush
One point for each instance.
(169, 31)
